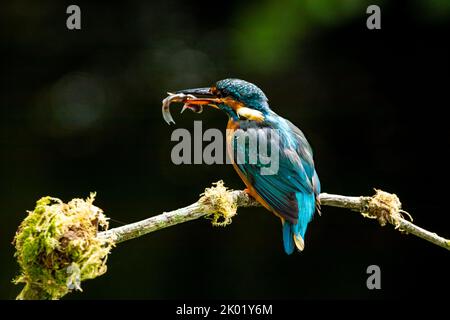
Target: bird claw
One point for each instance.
(179, 97)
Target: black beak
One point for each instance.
(201, 97)
(198, 92)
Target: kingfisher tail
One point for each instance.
(293, 234)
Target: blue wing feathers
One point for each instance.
(291, 192)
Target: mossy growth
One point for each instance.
(57, 247)
(219, 204)
(385, 207)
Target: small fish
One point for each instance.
(178, 97)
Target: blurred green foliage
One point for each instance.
(276, 29)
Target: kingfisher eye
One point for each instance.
(224, 93)
(217, 93)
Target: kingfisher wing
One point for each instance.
(305, 154)
(292, 176)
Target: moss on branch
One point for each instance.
(57, 247)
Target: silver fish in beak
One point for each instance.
(178, 97)
(193, 99)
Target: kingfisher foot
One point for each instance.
(249, 194)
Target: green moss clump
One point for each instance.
(57, 247)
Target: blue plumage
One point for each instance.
(288, 239)
(291, 192)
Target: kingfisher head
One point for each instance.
(237, 98)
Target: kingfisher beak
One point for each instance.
(198, 92)
(203, 96)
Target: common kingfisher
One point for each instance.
(292, 193)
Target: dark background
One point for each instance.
(81, 112)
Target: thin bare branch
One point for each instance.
(384, 207)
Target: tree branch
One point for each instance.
(77, 223)
(384, 207)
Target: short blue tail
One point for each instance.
(293, 232)
(288, 237)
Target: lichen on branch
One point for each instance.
(386, 208)
(218, 204)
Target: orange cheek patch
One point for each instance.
(243, 111)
